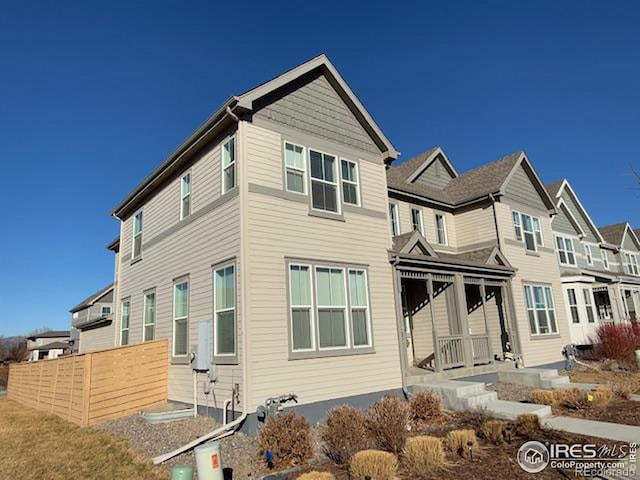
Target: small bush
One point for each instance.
(421, 455)
(288, 437)
(494, 431)
(374, 464)
(617, 341)
(622, 391)
(543, 397)
(344, 434)
(462, 442)
(316, 476)
(386, 423)
(425, 407)
(570, 396)
(602, 396)
(528, 424)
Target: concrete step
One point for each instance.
(534, 377)
(555, 382)
(476, 400)
(511, 410)
(458, 395)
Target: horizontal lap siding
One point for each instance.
(280, 228)
(429, 221)
(97, 338)
(475, 226)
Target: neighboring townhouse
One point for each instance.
(48, 345)
(262, 241)
(93, 319)
(475, 264)
(588, 266)
(626, 264)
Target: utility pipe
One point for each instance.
(195, 393)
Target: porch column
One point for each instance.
(461, 302)
(483, 296)
(512, 319)
(402, 340)
(436, 346)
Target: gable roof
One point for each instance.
(51, 334)
(52, 346)
(228, 113)
(562, 205)
(91, 299)
(614, 234)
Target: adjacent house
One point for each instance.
(47, 345)
(93, 320)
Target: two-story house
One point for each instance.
(48, 344)
(93, 320)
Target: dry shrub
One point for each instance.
(374, 464)
(622, 391)
(425, 407)
(462, 442)
(316, 476)
(344, 434)
(528, 424)
(288, 437)
(386, 423)
(571, 396)
(609, 365)
(543, 397)
(494, 431)
(602, 396)
(617, 341)
(421, 455)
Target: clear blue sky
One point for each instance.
(93, 96)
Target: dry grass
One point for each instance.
(627, 381)
(543, 397)
(316, 476)
(422, 455)
(602, 396)
(37, 446)
(494, 431)
(528, 423)
(463, 442)
(374, 464)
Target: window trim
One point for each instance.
(176, 282)
(588, 253)
(589, 305)
(367, 309)
(420, 219)
(345, 307)
(544, 288)
(305, 177)
(144, 314)
(134, 235)
(394, 218)
(336, 184)
(573, 307)
(102, 312)
(604, 255)
(534, 232)
(225, 358)
(311, 307)
(183, 196)
(128, 329)
(631, 267)
(356, 183)
(564, 250)
(444, 225)
(233, 163)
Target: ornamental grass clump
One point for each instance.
(344, 434)
(387, 423)
(374, 465)
(316, 476)
(463, 442)
(288, 437)
(495, 431)
(528, 424)
(543, 397)
(422, 455)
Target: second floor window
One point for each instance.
(605, 259)
(185, 196)
(324, 185)
(540, 309)
(394, 219)
(631, 264)
(137, 235)
(180, 318)
(573, 305)
(416, 220)
(350, 182)
(295, 168)
(105, 310)
(527, 229)
(589, 254)
(441, 229)
(566, 253)
(125, 309)
(229, 165)
(149, 317)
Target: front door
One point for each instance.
(581, 313)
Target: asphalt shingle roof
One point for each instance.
(613, 233)
(553, 188)
(89, 300)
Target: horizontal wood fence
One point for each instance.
(89, 388)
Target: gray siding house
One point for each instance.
(93, 320)
(48, 345)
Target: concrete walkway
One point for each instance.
(635, 397)
(580, 426)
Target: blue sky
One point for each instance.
(93, 95)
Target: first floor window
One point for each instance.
(301, 308)
(394, 219)
(229, 165)
(441, 229)
(605, 259)
(589, 254)
(589, 305)
(332, 305)
(295, 168)
(185, 196)
(566, 253)
(573, 305)
(416, 220)
(324, 186)
(350, 182)
(180, 318)
(125, 309)
(137, 235)
(359, 301)
(225, 311)
(540, 309)
(149, 317)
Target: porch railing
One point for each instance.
(451, 350)
(481, 349)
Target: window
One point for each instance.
(441, 229)
(573, 305)
(394, 219)
(225, 311)
(75, 315)
(185, 196)
(350, 182)
(324, 187)
(416, 220)
(229, 165)
(302, 338)
(605, 259)
(589, 304)
(149, 317)
(332, 326)
(105, 310)
(631, 264)
(359, 301)
(589, 254)
(180, 318)
(566, 253)
(137, 235)
(527, 229)
(295, 168)
(124, 322)
(541, 310)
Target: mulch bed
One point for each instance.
(618, 411)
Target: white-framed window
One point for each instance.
(125, 312)
(441, 229)
(301, 305)
(359, 303)
(394, 219)
(333, 331)
(181, 318)
(631, 264)
(75, 315)
(350, 182)
(527, 229)
(540, 309)
(229, 165)
(605, 259)
(136, 248)
(185, 196)
(572, 301)
(416, 220)
(588, 303)
(566, 252)
(105, 310)
(589, 254)
(295, 168)
(224, 285)
(149, 316)
(324, 182)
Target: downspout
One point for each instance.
(402, 350)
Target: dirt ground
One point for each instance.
(599, 373)
(618, 411)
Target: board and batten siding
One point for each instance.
(172, 249)
(280, 228)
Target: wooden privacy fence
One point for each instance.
(89, 388)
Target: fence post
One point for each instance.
(86, 390)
